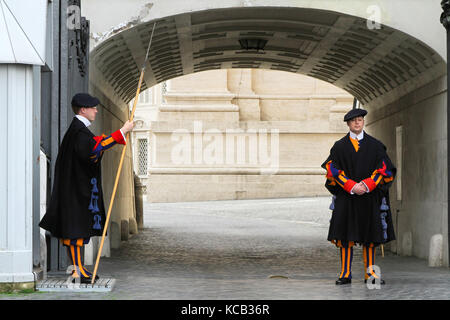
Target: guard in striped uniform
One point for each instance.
(76, 211)
(359, 174)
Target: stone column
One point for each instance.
(445, 20)
(16, 178)
(240, 83)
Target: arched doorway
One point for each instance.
(392, 73)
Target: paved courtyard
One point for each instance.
(248, 250)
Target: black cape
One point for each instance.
(358, 218)
(76, 208)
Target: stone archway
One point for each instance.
(393, 73)
(375, 65)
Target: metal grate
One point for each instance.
(64, 285)
(142, 156)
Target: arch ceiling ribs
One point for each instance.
(138, 51)
(327, 45)
(165, 57)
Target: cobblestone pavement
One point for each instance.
(231, 250)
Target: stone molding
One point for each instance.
(208, 96)
(249, 127)
(237, 171)
(199, 108)
(228, 96)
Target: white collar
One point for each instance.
(358, 137)
(86, 122)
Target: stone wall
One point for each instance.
(419, 195)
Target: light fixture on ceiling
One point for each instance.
(252, 44)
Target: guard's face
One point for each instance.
(89, 113)
(356, 124)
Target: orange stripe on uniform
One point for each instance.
(342, 262)
(76, 272)
(348, 262)
(107, 141)
(369, 260)
(372, 257)
(80, 266)
(378, 179)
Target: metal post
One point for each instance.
(36, 129)
(356, 104)
(445, 20)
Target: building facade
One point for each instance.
(236, 134)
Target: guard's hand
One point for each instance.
(127, 127)
(359, 188)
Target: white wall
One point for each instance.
(422, 207)
(22, 31)
(16, 192)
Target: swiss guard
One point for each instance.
(359, 174)
(76, 211)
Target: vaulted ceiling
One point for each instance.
(367, 62)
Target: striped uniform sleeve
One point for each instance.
(338, 177)
(104, 142)
(379, 176)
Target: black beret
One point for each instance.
(84, 100)
(355, 113)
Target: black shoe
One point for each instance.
(84, 280)
(96, 277)
(373, 281)
(90, 274)
(89, 278)
(343, 281)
